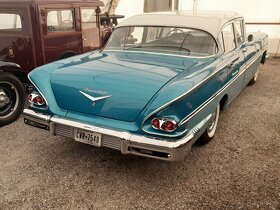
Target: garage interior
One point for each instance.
(239, 169)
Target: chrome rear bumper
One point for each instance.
(125, 142)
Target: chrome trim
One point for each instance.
(179, 97)
(4, 99)
(125, 142)
(47, 105)
(14, 108)
(144, 52)
(34, 95)
(94, 99)
(39, 118)
(243, 68)
(161, 122)
(84, 126)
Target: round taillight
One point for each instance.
(156, 123)
(169, 126)
(39, 100)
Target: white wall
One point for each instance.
(252, 10)
(130, 8)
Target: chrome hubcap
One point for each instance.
(212, 122)
(4, 99)
(256, 76)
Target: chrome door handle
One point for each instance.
(232, 63)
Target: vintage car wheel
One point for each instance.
(209, 134)
(11, 98)
(254, 79)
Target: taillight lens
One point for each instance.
(36, 99)
(169, 126)
(156, 123)
(163, 124)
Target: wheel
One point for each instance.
(12, 98)
(254, 79)
(209, 134)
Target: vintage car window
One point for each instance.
(180, 41)
(10, 22)
(229, 38)
(118, 40)
(221, 41)
(88, 18)
(134, 37)
(60, 20)
(239, 32)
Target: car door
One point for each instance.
(15, 36)
(234, 60)
(61, 37)
(90, 30)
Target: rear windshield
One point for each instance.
(168, 40)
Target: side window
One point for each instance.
(60, 20)
(153, 33)
(239, 31)
(88, 18)
(228, 37)
(221, 40)
(10, 22)
(135, 35)
(119, 38)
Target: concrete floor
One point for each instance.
(239, 169)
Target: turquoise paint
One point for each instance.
(139, 84)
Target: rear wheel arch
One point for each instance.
(264, 57)
(223, 102)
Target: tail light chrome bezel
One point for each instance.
(38, 105)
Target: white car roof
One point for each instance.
(212, 22)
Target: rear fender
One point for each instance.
(15, 69)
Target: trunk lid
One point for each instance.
(114, 85)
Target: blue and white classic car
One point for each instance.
(155, 89)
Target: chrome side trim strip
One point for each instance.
(155, 53)
(208, 101)
(243, 68)
(186, 93)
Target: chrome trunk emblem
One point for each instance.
(94, 99)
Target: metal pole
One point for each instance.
(195, 2)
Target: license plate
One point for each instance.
(88, 137)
